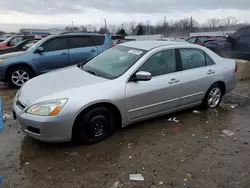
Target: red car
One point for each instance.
(14, 40)
(199, 39)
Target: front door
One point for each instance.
(54, 56)
(81, 49)
(158, 95)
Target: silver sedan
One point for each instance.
(128, 83)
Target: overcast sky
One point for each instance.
(49, 13)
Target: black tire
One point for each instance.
(86, 127)
(205, 102)
(12, 70)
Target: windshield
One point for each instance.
(113, 62)
(6, 40)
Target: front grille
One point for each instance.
(20, 105)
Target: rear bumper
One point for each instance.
(231, 84)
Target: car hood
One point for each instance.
(9, 55)
(56, 82)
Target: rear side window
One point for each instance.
(55, 44)
(98, 40)
(80, 42)
(209, 60)
(192, 58)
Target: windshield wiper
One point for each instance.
(91, 72)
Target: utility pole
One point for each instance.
(165, 26)
(105, 24)
(72, 26)
(191, 25)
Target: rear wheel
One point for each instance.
(213, 96)
(17, 76)
(94, 126)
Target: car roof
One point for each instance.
(148, 45)
(81, 34)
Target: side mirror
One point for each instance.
(39, 50)
(142, 76)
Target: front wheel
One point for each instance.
(17, 76)
(213, 96)
(94, 125)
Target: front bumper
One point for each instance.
(48, 129)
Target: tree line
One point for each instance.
(168, 28)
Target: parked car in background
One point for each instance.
(22, 46)
(50, 53)
(14, 40)
(235, 46)
(199, 39)
(130, 82)
(117, 39)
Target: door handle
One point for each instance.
(64, 53)
(173, 80)
(93, 50)
(210, 72)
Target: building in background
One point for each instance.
(41, 32)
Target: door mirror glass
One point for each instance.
(40, 49)
(143, 76)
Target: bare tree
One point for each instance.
(229, 21)
(132, 27)
(213, 23)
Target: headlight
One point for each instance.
(48, 108)
(1, 60)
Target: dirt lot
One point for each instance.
(190, 153)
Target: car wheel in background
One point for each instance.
(18, 75)
(213, 96)
(94, 126)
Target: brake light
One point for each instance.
(236, 68)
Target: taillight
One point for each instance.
(236, 68)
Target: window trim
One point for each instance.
(61, 37)
(177, 63)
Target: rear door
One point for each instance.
(81, 48)
(55, 55)
(197, 75)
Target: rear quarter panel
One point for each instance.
(224, 70)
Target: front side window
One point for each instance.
(192, 58)
(113, 62)
(201, 39)
(80, 42)
(55, 44)
(192, 40)
(160, 63)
